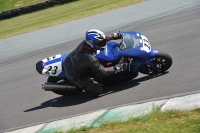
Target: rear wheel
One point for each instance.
(63, 92)
(162, 62)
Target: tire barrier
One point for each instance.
(32, 8)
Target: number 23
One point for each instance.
(54, 70)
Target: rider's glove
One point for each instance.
(116, 36)
(120, 67)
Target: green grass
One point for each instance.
(157, 122)
(59, 14)
(6, 5)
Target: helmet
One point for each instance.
(95, 38)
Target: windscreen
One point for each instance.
(129, 41)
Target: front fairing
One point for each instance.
(136, 52)
(137, 45)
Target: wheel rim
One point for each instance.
(160, 65)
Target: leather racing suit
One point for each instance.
(79, 61)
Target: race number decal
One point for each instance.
(146, 44)
(52, 65)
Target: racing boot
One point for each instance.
(95, 91)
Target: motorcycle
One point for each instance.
(134, 49)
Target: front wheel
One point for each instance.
(161, 63)
(62, 92)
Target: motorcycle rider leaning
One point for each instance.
(83, 57)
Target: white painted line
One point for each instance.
(74, 122)
(32, 129)
(126, 112)
(183, 103)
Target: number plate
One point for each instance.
(146, 44)
(52, 65)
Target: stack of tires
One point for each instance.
(32, 8)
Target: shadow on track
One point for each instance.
(128, 84)
(64, 101)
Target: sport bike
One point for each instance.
(134, 49)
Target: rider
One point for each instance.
(83, 57)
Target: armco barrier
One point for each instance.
(32, 8)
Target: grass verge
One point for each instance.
(59, 14)
(6, 5)
(157, 122)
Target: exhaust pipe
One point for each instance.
(55, 87)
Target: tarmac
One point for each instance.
(56, 35)
(123, 113)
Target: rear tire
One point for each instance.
(162, 62)
(63, 81)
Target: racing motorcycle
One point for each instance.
(134, 49)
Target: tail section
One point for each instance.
(39, 66)
(52, 66)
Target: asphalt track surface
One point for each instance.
(24, 103)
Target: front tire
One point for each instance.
(162, 62)
(63, 81)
